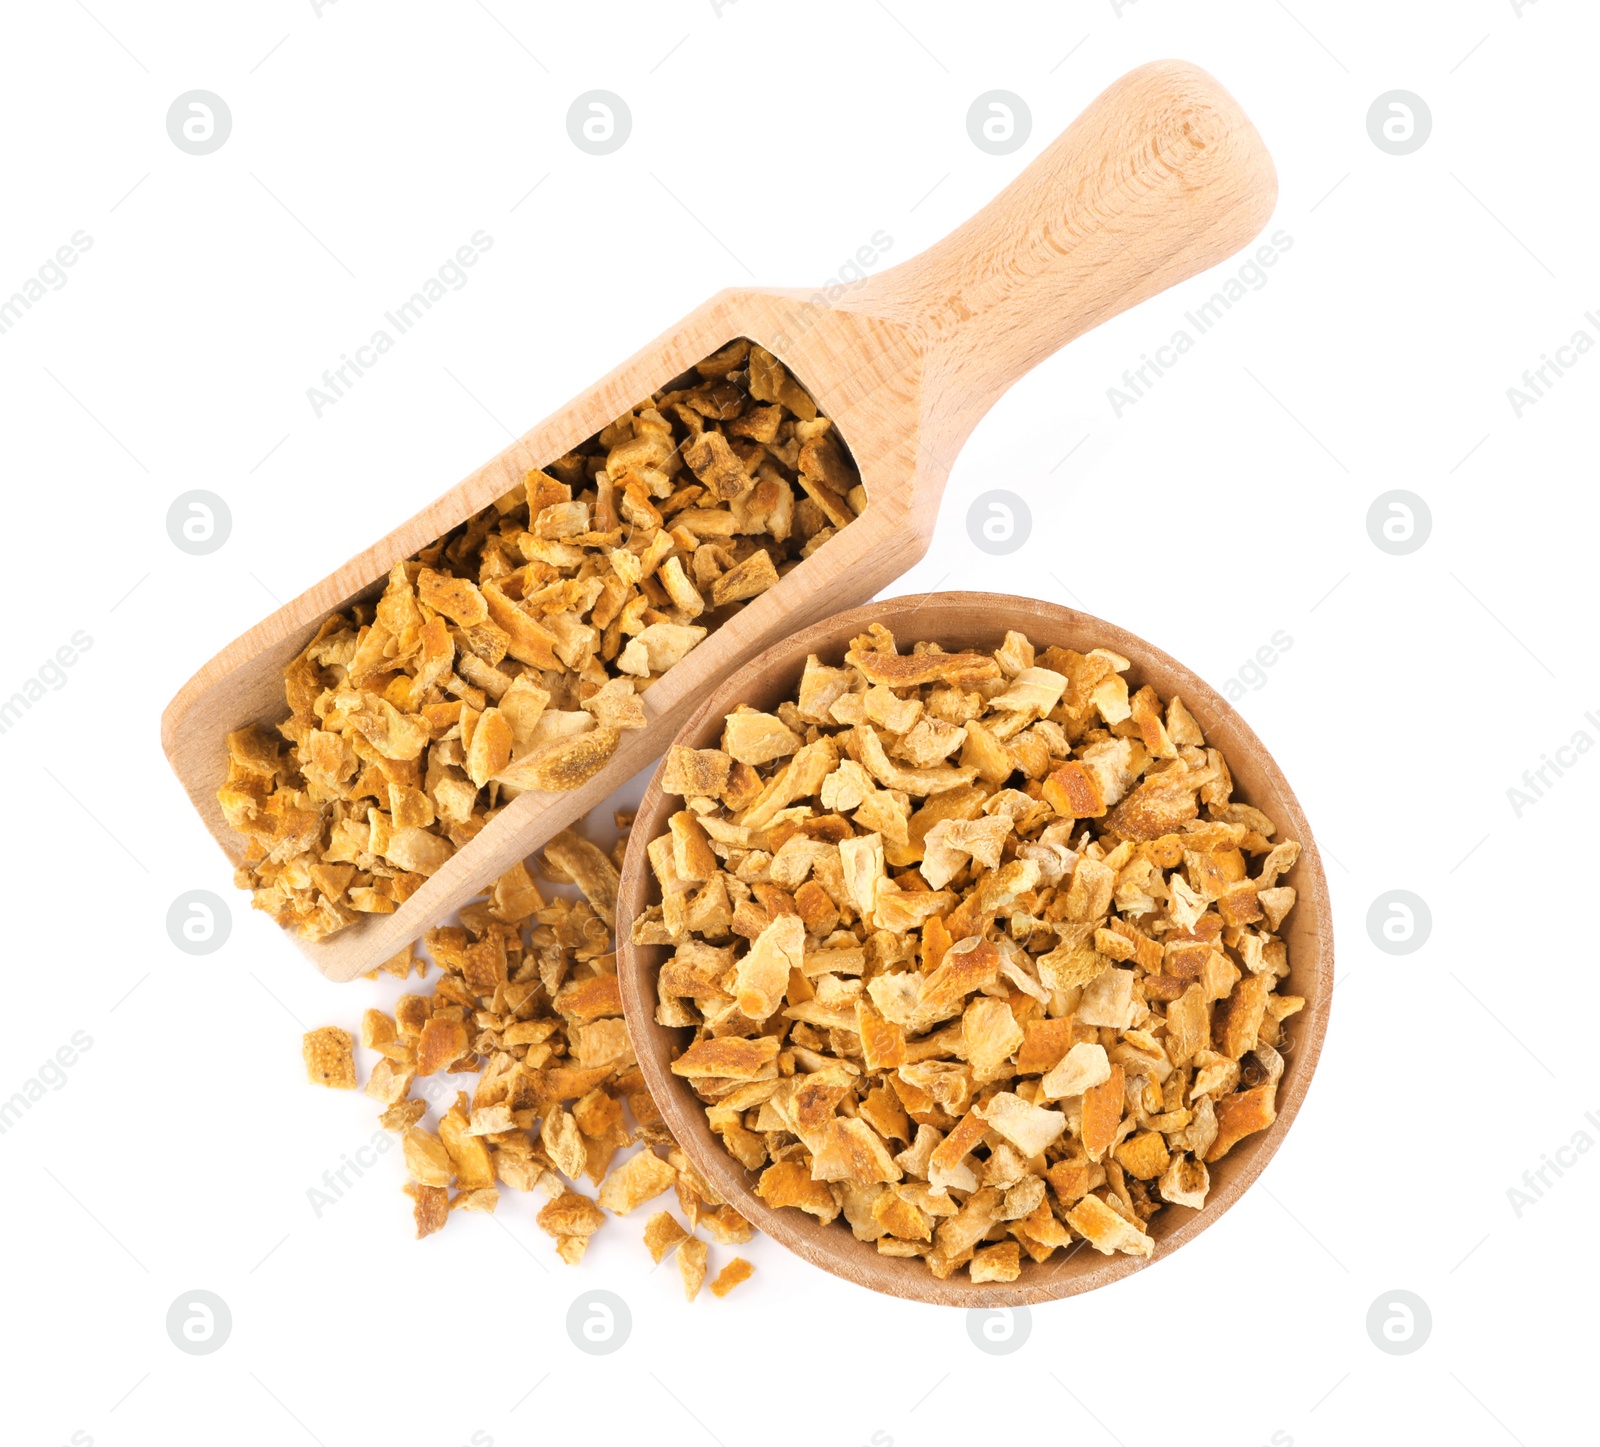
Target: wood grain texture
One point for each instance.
(1160, 178)
(958, 621)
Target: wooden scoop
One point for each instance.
(1161, 177)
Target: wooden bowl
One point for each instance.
(979, 621)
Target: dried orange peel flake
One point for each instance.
(510, 654)
(975, 951)
(328, 1058)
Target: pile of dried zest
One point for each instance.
(528, 1003)
(509, 654)
(973, 951)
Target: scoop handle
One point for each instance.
(1160, 178)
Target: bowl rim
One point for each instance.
(831, 1246)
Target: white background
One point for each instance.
(769, 143)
